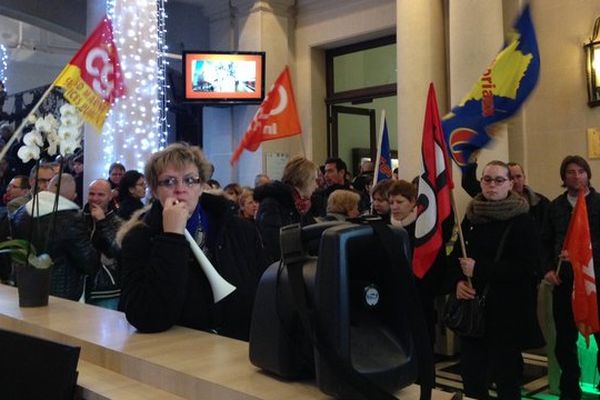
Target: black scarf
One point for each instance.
(481, 211)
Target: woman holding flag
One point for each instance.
(500, 263)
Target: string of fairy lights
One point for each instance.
(137, 124)
(3, 64)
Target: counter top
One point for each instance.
(184, 362)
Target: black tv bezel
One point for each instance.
(224, 100)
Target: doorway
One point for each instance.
(353, 135)
(361, 82)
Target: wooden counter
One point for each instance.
(183, 362)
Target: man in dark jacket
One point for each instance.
(575, 173)
(103, 289)
(62, 235)
(163, 283)
(335, 178)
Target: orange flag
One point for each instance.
(579, 246)
(93, 80)
(276, 118)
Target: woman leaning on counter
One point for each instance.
(510, 271)
(162, 283)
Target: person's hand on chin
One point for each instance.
(175, 215)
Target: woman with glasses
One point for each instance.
(132, 189)
(502, 256)
(162, 282)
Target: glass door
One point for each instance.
(353, 135)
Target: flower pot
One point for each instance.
(33, 285)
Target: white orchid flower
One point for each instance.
(71, 120)
(31, 119)
(68, 109)
(27, 153)
(46, 124)
(33, 138)
(69, 133)
(53, 142)
(68, 147)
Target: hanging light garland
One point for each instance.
(136, 126)
(3, 64)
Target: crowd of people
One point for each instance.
(131, 246)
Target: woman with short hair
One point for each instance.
(248, 206)
(380, 202)
(342, 204)
(162, 282)
(285, 202)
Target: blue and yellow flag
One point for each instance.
(498, 94)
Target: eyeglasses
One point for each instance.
(498, 180)
(172, 182)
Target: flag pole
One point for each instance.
(378, 156)
(302, 145)
(461, 237)
(17, 133)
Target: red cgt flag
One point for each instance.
(579, 247)
(93, 80)
(435, 184)
(276, 118)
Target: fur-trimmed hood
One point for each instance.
(214, 203)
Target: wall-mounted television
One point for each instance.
(224, 77)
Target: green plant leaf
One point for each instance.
(21, 244)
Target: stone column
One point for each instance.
(248, 25)
(476, 35)
(421, 59)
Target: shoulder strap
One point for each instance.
(503, 241)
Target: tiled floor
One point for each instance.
(535, 384)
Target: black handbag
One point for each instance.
(466, 317)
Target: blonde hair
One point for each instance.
(342, 201)
(299, 172)
(176, 155)
(244, 196)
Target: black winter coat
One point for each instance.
(555, 230)
(163, 284)
(276, 209)
(68, 245)
(127, 206)
(511, 306)
(102, 233)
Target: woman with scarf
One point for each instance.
(162, 281)
(502, 256)
(285, 202)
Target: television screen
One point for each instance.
(224, 77)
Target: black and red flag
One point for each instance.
(434, 204)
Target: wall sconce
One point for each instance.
(592, 56)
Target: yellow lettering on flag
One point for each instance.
(91, 105)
